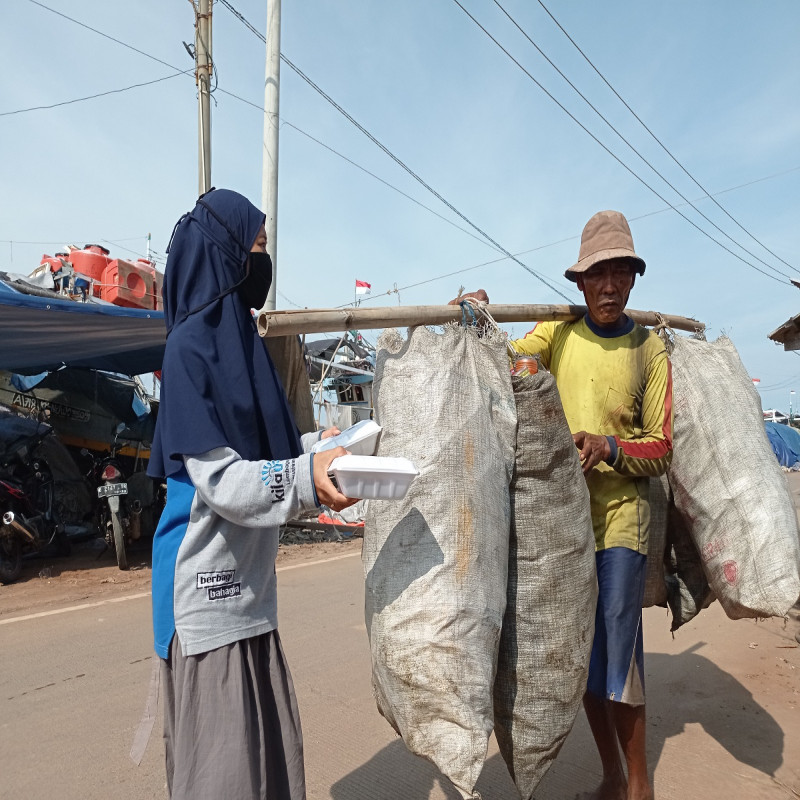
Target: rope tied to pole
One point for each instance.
(479, 306)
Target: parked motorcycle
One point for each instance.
(118, 514)
(28, 520)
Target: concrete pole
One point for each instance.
(269, 174)
(204, 70)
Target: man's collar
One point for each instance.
(625, 327)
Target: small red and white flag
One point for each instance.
(756, 381)
(362, 287)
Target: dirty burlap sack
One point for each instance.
(727, 484)
(655, 585)
(436, 562)
(688, 592)
(675, 577)
(552, 589)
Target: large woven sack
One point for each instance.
(552, 589)
(727, 483)
(436, 562)
(655, 586)
(687, 589)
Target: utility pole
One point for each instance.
(204, 65)
(269, 174)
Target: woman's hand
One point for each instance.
(334, 431)
(327, 493)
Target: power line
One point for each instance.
(384, 182)
(769, 177)
(286, 122)
(257, 33)
(305, 77)
(784, 384)
(247, 102)
(105, 35)
(663, 146)
(666, 208)
(153, 256)
(649, 164)
(722, 191)
(394, 158)
(290, 302)
(610, 152)
(60, 242)
(93, 96)
(559, 241)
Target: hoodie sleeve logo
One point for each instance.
(219, 585)
(278, 476)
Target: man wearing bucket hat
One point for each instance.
(615, 383)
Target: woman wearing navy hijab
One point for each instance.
(236, 469)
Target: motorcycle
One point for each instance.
(28, 520)
(118, 514)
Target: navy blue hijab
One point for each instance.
(219, 386)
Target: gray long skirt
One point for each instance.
(231, 723)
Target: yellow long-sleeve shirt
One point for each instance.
(618, 385)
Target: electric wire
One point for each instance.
(610, 152)
(395, 158)
(576, 237)
(104, 35)
(94, 96)
(153, 256)
(627, 142)
(307, 79)
(247, 102)
(291, 125)
(257, 33)
(384, 182)
(784, 384)
(661, 144)
(68, 239)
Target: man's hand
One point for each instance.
(334, 431)
(593, 449)
(479, 295)
(327, 493)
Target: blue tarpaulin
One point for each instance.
(39, 333)
(785, 443)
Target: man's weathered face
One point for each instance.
(606, 287)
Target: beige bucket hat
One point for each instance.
(606, 235)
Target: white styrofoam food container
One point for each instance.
(373, 477)
(360, 439)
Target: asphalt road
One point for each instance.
(723, 703)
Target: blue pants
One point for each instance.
(616, 668)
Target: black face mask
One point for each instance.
(254, 288)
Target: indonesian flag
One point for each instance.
(362, 287)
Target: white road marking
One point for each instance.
(313, 563)
(138, 596)
(74, 608)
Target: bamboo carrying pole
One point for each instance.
(283, 323)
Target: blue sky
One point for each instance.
(717, 81)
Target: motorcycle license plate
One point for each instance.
(111, 489)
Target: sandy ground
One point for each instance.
(723, 697)
(90, 573)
